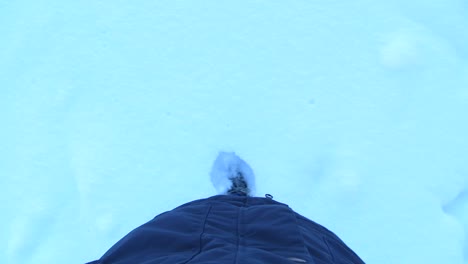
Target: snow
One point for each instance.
(228, 166)
(353, 113)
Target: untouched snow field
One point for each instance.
(355, 113)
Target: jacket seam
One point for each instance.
(201, 235)
(237, 235)
(239, 226)
(301, 234)
(329, 249)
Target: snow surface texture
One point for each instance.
(351, 112)
(227, 166)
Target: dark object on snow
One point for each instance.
(230, 229)
(239, 186)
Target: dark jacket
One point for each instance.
(230, 229)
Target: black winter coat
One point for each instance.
(228, 229)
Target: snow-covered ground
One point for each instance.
(355, 113)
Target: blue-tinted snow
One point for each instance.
(354, 113)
